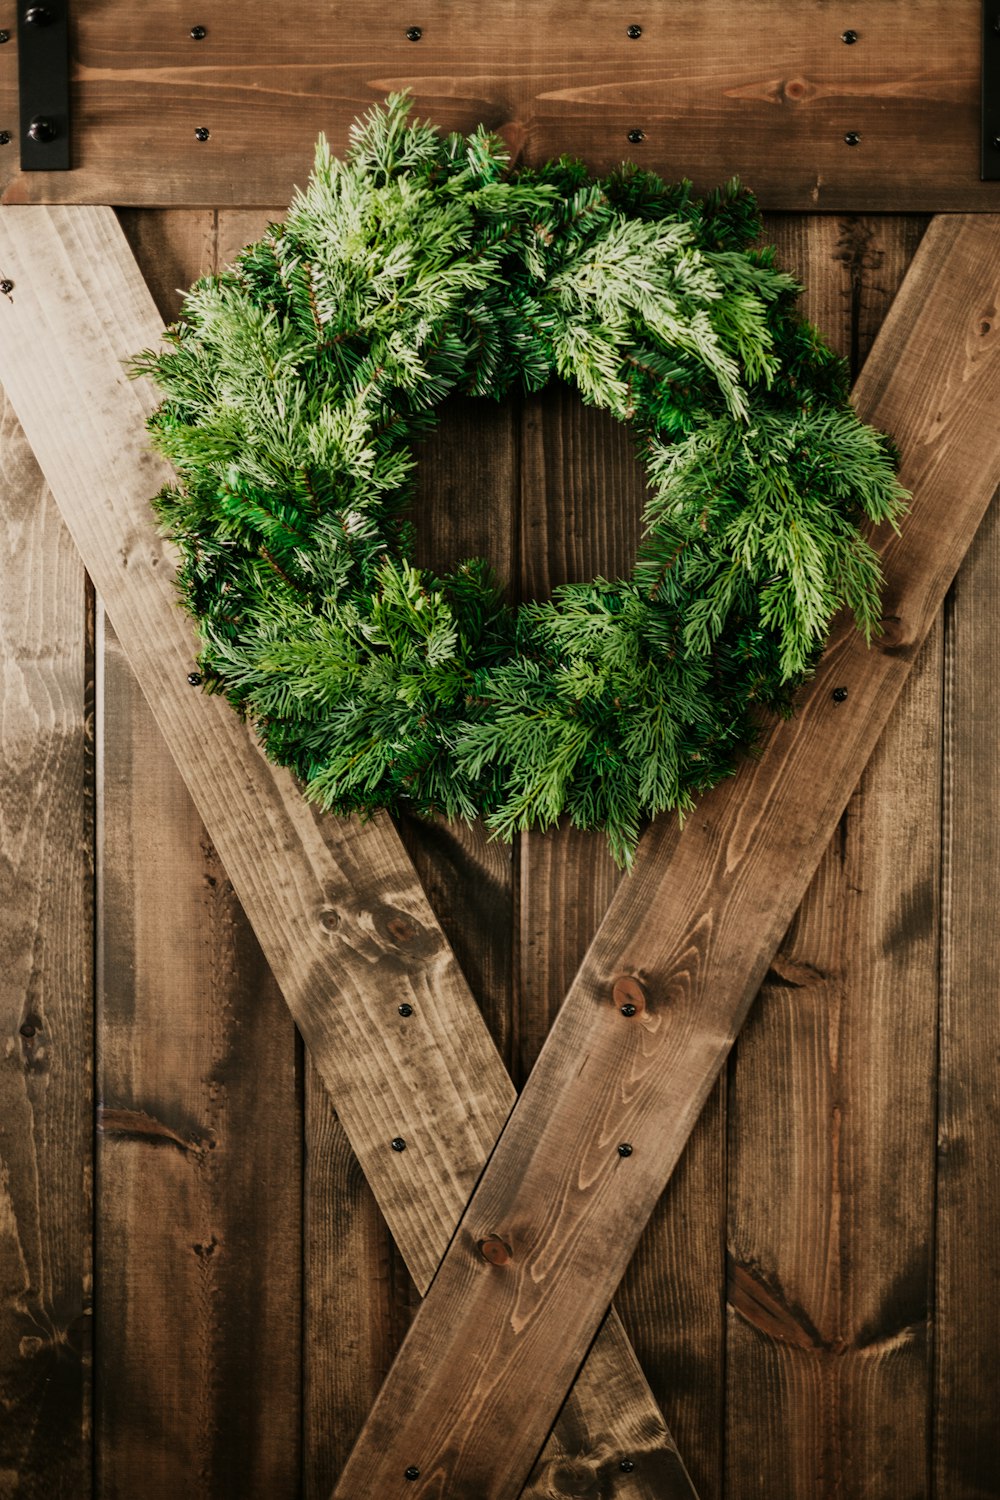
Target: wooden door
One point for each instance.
(808, 1301)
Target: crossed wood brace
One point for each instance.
(516, 1220)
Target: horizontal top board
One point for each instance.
(861, 107)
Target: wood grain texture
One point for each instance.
(581, 495)
(768, 90)
(335, 904)
(46, 990)
(967, 1379)
(198, 1277)
(198, 1267)
(832, 1080)
(492, 1350)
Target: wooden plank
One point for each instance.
(966, 1391)
(832, 1123)
(582, 492)
(765, 89)
(335, 904)
(46, 989)
(831, 1140)
(199, 1145)
(492, 1350)
(200, 1173)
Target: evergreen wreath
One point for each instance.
(296, 382)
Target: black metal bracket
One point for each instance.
(990, 168)
(43, 83)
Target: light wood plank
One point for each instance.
(493, 1350)
(335, 904)
(766, 89)
(46, 989)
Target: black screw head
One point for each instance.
(412, 1472)
(6, 286)
(627, 1466)
(198, 33)
(624, 1149)
(37, 15)
(413, 34)
(635, 136)
(42, 130)
(635, 32)
(852, 138)
(406, 1010)
(839, 695)
(194, 678)
(628, 1009)
(996, 143)
(4, 137)
(398, 1144)
(4, 37)
(848, 37)
(202, 133)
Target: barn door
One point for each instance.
(238, 1250)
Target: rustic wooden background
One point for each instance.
(200, 1298)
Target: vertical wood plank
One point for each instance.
(200, 1126)
(967, 1383)
(582, 493)
(46, 990)
(831, 1093)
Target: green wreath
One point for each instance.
(296, 382)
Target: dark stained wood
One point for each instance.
(200, 1173)
(335, 903)
(765, 89)
(46, 990)
(487, 1360)
(832, 1092)
(200, 1170)
(966, 1393)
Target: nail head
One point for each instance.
(202, 133)
(624, 1149)
(198, 33)
(635, 32)
(849, 37)
(4, 37)
(406, 1010)
(194, 678)
(627, 1465)
(412, 1472)
(839, 695)
(42, 130)
(414, 33)
(6, 286)
(852, 138)
(635, 136)
(398, 1144)
(628, 1010)
(37, 15)
(4, 137)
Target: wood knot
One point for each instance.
(628, 992)
(495, 1250)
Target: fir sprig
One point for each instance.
(297, 383)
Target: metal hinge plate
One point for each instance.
(43, 84)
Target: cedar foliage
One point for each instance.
(296, 383)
